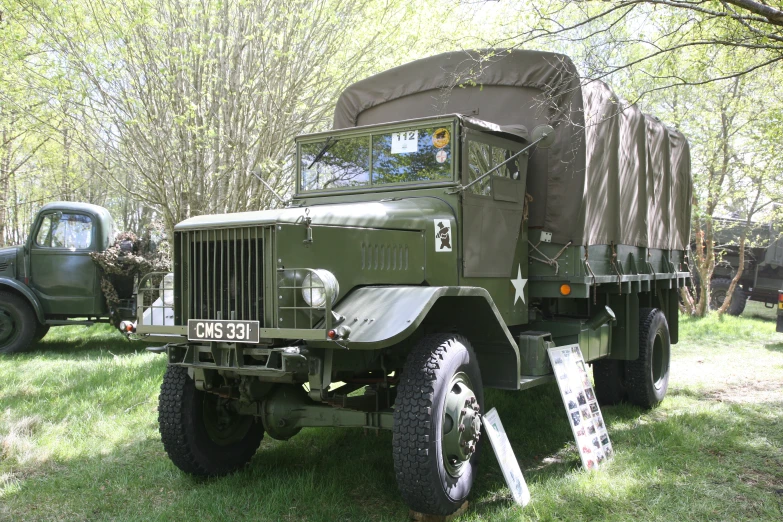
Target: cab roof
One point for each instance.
(87, 208)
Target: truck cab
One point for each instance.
(51, 279)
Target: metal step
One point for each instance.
(529, 381)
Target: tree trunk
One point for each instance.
(737, 276)
(5, 160)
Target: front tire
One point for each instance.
(17, 324)
(200, 434)
(647, 377)
(437, 424)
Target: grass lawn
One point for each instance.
(79, 441)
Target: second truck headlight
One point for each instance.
(315, 286)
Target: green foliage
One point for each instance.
(161, 110)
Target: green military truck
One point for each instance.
(435, 245)
(51, 280)
(762, 274)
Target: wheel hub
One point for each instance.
(659, 362)
(223, 426)
(461, 424)
(717, 298)
(7, 326)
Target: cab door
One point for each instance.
(62, 272)
(493, 207)
(493, 239)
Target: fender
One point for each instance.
(13, 284)
(382, 316)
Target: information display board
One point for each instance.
(584, 415)
(505, 455)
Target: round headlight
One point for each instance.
(315, 287)
(167, 289)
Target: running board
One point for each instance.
(58, 322)
(530, 381)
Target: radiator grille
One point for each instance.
(222, 273)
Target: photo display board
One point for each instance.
(505, 455)
(584, 415)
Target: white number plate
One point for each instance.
(403, 142)
(223, 331)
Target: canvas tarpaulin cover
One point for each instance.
(612, 175)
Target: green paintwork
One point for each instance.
(66, 282)
(381, 244)
(59, 283)
(380, 317)
(14, 285)
(287, 409)
(533, 346)
(347, 211)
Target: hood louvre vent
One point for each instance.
(3, 266)
(384, 257)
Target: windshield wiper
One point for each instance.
(331, 140)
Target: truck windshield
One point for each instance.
(413, 155)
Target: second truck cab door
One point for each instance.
(62, 273)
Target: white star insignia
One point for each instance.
(519, 286)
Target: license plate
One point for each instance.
(223, 331)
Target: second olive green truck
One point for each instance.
(51, 279)
(467, 212)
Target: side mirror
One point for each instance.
(544, 134)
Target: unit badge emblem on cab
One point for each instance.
(441, 138)
(442, 235)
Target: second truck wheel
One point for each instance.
(17, 324)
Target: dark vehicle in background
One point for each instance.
(780, 311)
(51, 280)
(762, 275)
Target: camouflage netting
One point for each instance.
(126, 259)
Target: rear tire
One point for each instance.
(609, 377)
(718, 290)
(17, 323)
(437, 424)
(200, 434)
(647, 377)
